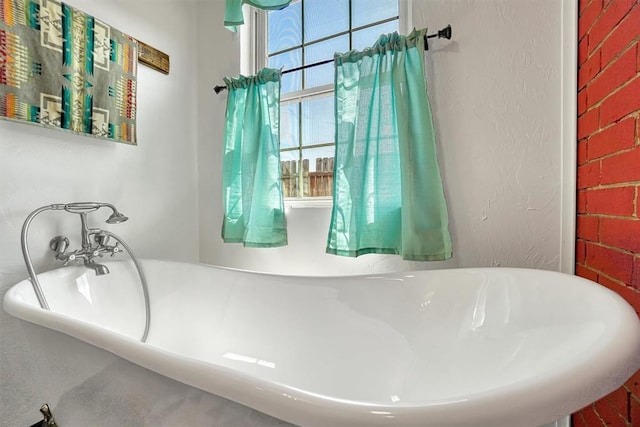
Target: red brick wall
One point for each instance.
(608, 227)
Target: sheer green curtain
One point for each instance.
(387, 195)
(251, 181)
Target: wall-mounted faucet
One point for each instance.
(95, 242)
(91, 248)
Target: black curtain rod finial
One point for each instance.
(445, 33)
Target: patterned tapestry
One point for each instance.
(62, 68)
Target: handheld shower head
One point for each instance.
(86, 207)
(116, 218)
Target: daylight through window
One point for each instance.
(305, 33)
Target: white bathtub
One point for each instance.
(465, 347)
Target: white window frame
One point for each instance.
(253, 38)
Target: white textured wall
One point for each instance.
(496, 99)
(155, 184)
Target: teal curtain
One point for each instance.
(233, 10)
(251, 178)
(387, 195)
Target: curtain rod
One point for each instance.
(444, 33)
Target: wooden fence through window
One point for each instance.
(313, 184)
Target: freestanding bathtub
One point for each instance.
(466, 347)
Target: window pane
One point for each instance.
(318, 181)
(370, 11)
(323, 18)
(289, 126)
(290, 173)
(288, 60)
(363, 39)
(323, 74)
(285, 28)
(318, 121)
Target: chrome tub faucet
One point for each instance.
(95, 242)
(91, 248)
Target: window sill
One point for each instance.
(309, 202)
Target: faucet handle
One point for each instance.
(115, 249)
(71, 258)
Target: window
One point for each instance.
(308, 32)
